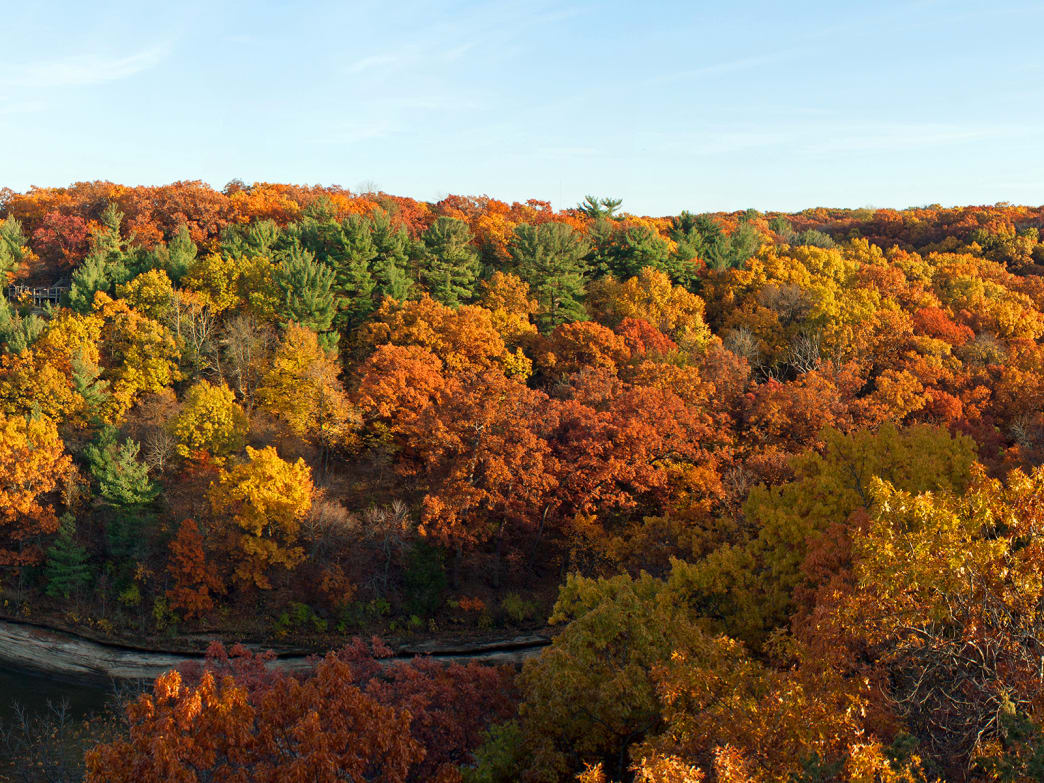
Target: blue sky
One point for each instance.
(668, 105)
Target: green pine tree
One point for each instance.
(599, 208)
(306, 290)
(601, 234)
(12, 244)
(90, 277)
(105, 266)
(389, 266)
(8, 325)
(635, 248)
(784, 228)
(87, 382)
(260, 238)
(449, 264)
(18, 332)
(125, 489)
(67, 569)
(353, 279)
(550, 257)
(702, 237)
(181, 252)
(318, 232)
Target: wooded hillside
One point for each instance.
(781, 472)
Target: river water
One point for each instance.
(35, 744)
(34, 691)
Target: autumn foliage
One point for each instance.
(32, 465)
(350, 718)
(782, 473)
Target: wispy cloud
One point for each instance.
(409, 56)
(457, 52)
(728, 66)
(818, 137)
(489, 29)
(910, 136)
(81, 70)
(373, 61)
(567, 152)
(353, 133)
(9, 108)
(387, 116)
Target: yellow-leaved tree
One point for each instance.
(947, 596)
(59, 376)
(210, 420)
(139, 355)
(301, 387)
(753, 586)
(150, 293)
(29, 382)
(635, 681)
(263, 502)
(650, 297)
(511, 309)
(227, 283)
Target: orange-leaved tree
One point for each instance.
(465, 338)
(321, 730)
(475, 442)
(195, 579)
(32, 465)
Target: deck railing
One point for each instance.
(38, 294)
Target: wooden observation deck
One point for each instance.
(39, 295)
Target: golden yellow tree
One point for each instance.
(263, 502)
(302, 388)
(651, 297)
(507, 298)
(211, 420)
(225, 283)
(948, 597)
(150, 293)
(29, 382)
(139, 355)
(751, 586)
(215, 278)
(59, 375)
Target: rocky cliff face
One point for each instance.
(69, 656)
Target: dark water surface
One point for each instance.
(33, 691)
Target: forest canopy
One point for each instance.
(773, 480)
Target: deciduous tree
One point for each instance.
(195, 578)
(751, 586)
(261, 504)
(210, 420)
(32, 465)
(302, 388)
(322, 729)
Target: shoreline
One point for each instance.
(74, 657)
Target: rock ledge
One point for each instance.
(68, 656)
